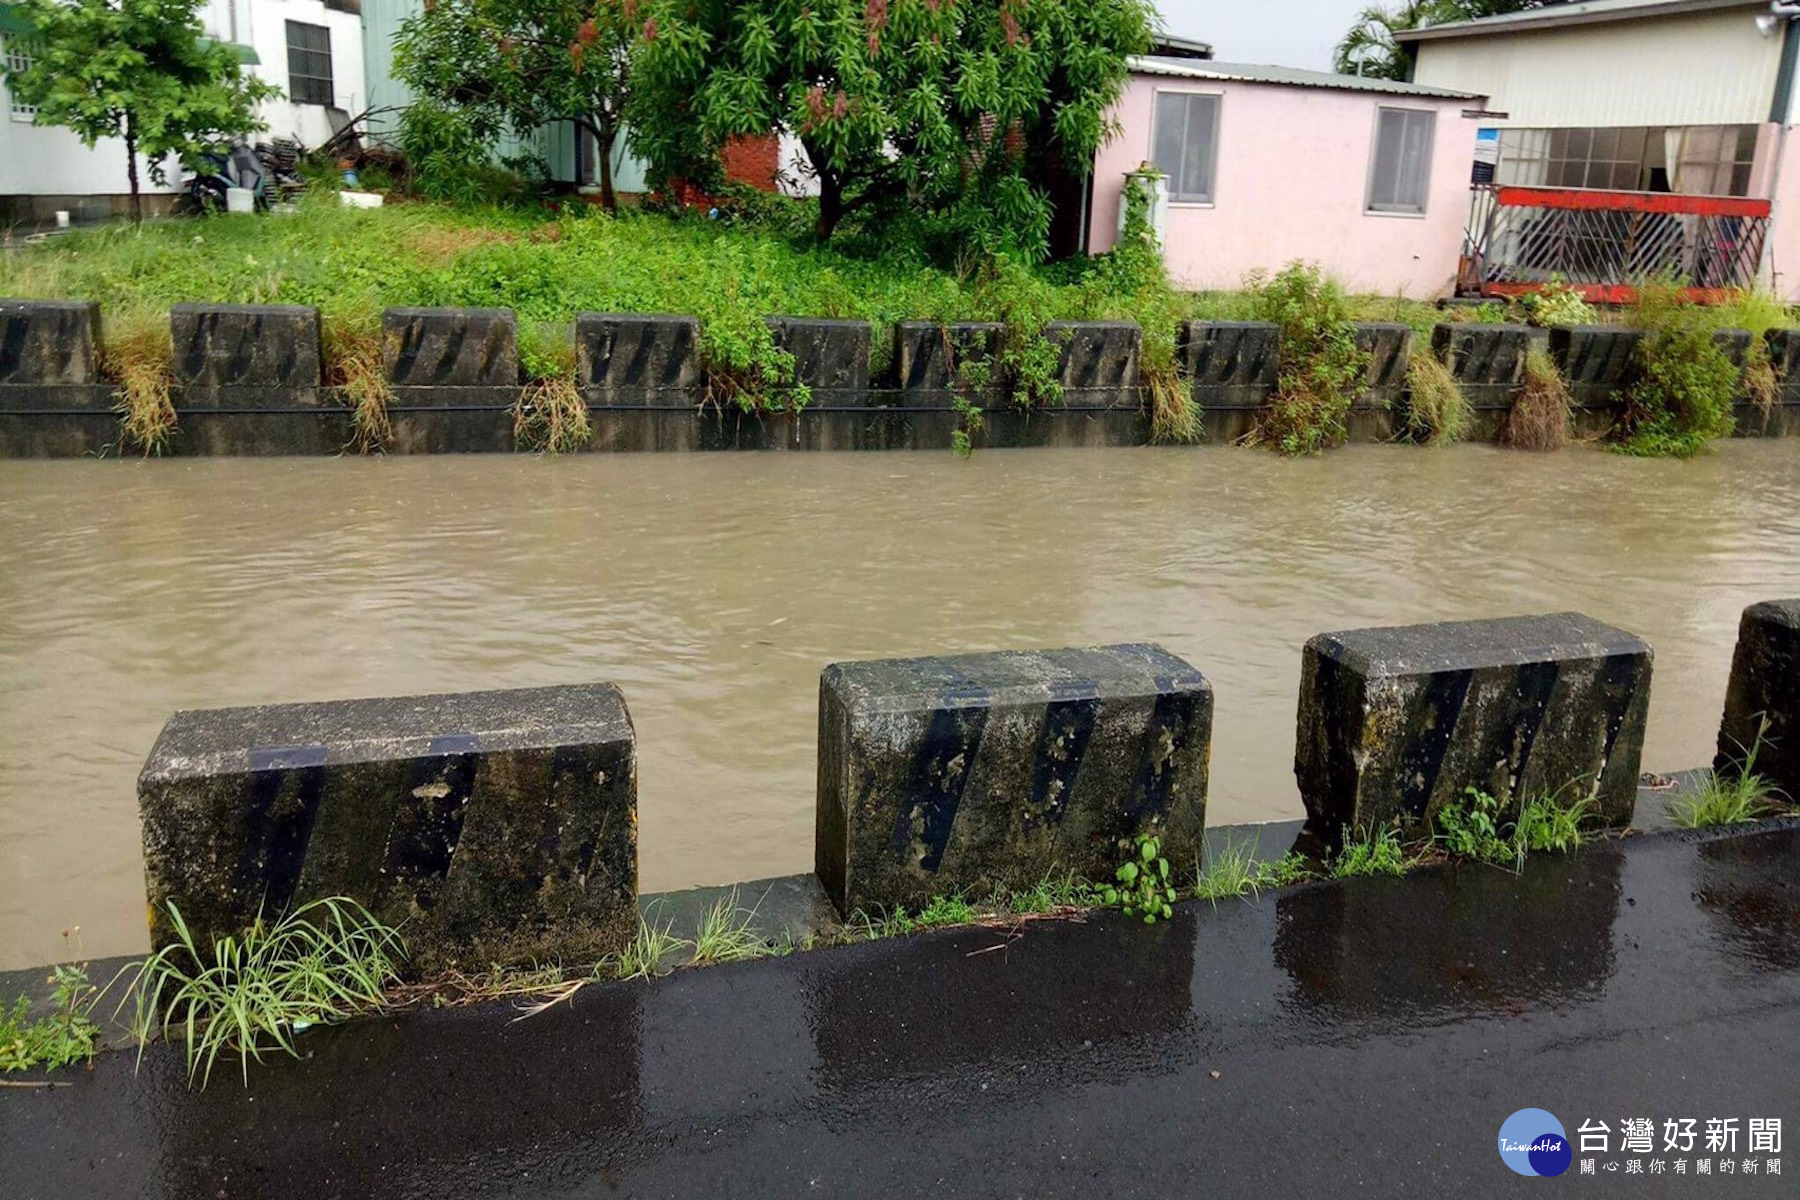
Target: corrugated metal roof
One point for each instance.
(1587, 12)
(1287, 77)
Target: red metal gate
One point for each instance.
(1603, 243)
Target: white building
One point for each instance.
(311, 49)
(1651, 135)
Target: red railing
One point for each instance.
(1603, 243)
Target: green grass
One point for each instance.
(1362, 854)
(249, 994)
(725, 935)
(66, 1036)
(1729, 799)
(647, 954)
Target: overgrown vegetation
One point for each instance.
(1553, 304)
(1540, 415)
(1438, 413)
(1686, 382)
(138, 362)
(65, 1036)
(249, 994)
(1731, 796)
(1322, 369)
(1369, 852)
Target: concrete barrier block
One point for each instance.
(1488, 361)
(1784, 356)
(1598, 362)
(626, 359)
(49, 343)
(1230, 364)
(1389, 347)
(830, 357)
(1764, 686)
(972, 771)
(500, 826)
(450, 347)
(1097, 362)
(932, 358)
(247, 353)
(1394, 722)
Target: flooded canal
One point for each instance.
(712, 589)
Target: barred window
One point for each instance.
(1400, 169)
(1185, 144)
(309, 64)
(15, 58)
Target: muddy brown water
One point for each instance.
(712, 589)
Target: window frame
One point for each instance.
(16, 56)
(1370, 208)
(329, 79)
(1217, 96)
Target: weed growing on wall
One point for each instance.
(1437, 412)
(550, 415)
(250, 993)
(353, 365)
(138, 360)
(1682, 399)
(1539, 416)
(67, 1035)
(1141, 886)
(1321, 371)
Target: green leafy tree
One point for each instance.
(480, 67)
(1369, 48)
(961, 107)
(139, 70)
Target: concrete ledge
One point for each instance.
(622, 359)
(1598, 362)
(932, 361)
(450, 347)
(1487, 361)
(1230, 364)
(979, 770)
(830, 357)
(1764, 686)
(1097, 362)
(499, 826)
(1389, 347)
(1395, 722)
(242, 356)
(49, 342)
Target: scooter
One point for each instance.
(216, 172)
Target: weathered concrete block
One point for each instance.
(830, 357)
(273, 348)
(500, 826)
(1396, 721)
(49, 342)
(1784, 356)
(626, 359)
(1488, 361)
(1765, 685)
(1389, 347)
(1231, 364)
(1598, 362)
(933, 360)
(1097, 362)
(450, 347)
(939, 774)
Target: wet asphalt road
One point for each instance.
(1364, 1038)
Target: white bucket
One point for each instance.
(360, 199)
(240, 200)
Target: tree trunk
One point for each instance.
(137, 201)
(606, 135)
(831, 202)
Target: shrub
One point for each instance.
(1321, 371)
(1556, 303)
(1682, 399)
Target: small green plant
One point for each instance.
(248, 994)
(725, 934)
(1236, 871)
(1322, 369)
(945, 910)
(1732, 796)
(1539, 416)
(66, 1036)
(1142, 887)
(1438, 412)
(1556, 303)
(1546, 823)
(1370, 854)
(647, 953)
(1475, 827)
(1471, 829)
(1686, 382)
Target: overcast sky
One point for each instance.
(1294, 33)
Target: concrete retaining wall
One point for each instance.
(250, 379)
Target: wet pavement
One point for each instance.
(1368, 1036)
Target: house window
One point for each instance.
(309, 64)
(1184, 144)
(1401, 166)
(1696, 159)
(16, 59)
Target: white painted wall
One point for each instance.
(50, 161)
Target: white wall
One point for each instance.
(50, 161)
(1704, 68)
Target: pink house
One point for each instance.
(1369, 178)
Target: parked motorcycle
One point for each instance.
(216, 173)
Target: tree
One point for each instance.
(1369, 48)
(140, 70)
(480, 67)
(958, 106)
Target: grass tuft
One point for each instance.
(322, 963)
(725, 935)
(139, 362)
(1438, 413)
(551, 417)
(353, 365)
(1539, 417)
(1370, 854)
(648, 952)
